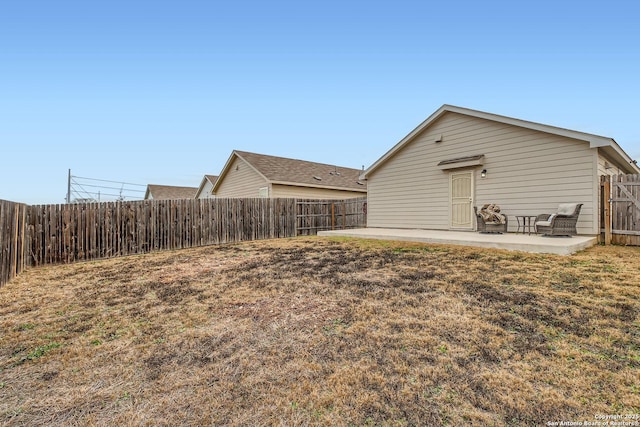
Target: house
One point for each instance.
(169, 192)
(460, 158)
(205, 190)
(258, 175)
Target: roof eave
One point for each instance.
(622, 160)
(324, 187)
(594, 141)
(227, 166)
(201, 187)
(403, 141)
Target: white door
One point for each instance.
(461, 190)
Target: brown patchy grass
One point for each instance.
(318, 331)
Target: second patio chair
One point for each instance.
(561, 223)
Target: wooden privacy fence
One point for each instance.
(620, 209)
(318, 215)
(51, 234)
(12, 240)
(73, 232)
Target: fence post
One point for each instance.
(296, 215)
(333, 216)
(606, 203)
(15, 256)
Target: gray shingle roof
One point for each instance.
(282, 170)
(212, 178)
(170, 192)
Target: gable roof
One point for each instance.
(207, 178)
(169, 192)
(302, 173)
(608, 145)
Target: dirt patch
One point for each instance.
(317, 331)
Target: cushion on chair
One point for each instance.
(546, 222)
(566, 208)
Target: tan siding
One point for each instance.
(529, 172)
(240, 181)
(312, 193)
(246, 182)
(603, 163)
(206, 191)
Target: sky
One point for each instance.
(161, 92)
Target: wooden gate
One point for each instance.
(620, 209)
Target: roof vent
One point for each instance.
(318, 178)
(359, 183)
(336, 173)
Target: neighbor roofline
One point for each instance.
(325, 187)
(593, 140)
(238, 154)
(201, 187)
(228, 164)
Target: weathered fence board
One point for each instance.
(317, 215)
(52, 234)
(621, 209)
(102, 230)
(13, 246)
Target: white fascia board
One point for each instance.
(403, 142)
(625, 157)
(593, 140)
(324, 187)
(201, 187)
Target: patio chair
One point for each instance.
(561, 223)
(490, 220)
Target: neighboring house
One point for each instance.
(258, 175)
(205, 191)
(459, 158)
(169, 192)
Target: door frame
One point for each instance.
(472, 191)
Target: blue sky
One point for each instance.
(162, 91)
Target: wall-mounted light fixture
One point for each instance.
(483, 174)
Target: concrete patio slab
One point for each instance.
(508, 241)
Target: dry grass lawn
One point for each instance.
(313, 331)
